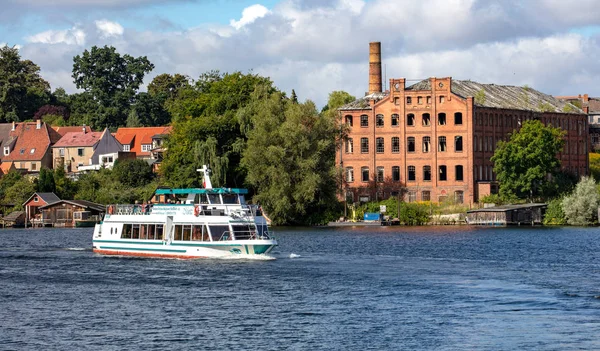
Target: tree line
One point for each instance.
(246, 129)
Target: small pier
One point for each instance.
(525, 214)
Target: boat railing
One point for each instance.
(233, 210)
(245, 235)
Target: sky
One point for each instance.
(319, 46)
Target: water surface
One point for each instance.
(388, 288)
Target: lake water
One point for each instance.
(382, 288)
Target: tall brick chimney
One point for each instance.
(375, 67)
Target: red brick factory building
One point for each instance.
(433, 140)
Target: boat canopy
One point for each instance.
(200, 191)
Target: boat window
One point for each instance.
(215, 199)
(201, 199)
(242, 199)
(243, 232)
(151, 231)
(126, 233)
(178, 232)
(200, 233)
(159, 232)
(143, 231)
(135, 231)
(187, 232)
(217, 231)
(230, 199)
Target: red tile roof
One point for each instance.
(64, 130)
(32, 143)
(135, 137)
(79, 139)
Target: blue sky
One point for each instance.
(318, 46)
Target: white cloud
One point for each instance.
(109, 29)
(73, 36)
(249, 15)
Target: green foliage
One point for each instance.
(18, 193)
(546, 107)
(290, 158)
(581, 207)
(167, 87)
(22, 90)
(45, 183)
(414, 213)
(110, 82)
(335, 101)
(54, 120)
(595, 166)
(8, 180)
(523, 163)
(294, 97)
(480, 97)
(65, 188)
(211, 121)
(569, 108)
(555, 214)
(133, 173)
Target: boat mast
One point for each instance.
(206, 171)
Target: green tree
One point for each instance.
(22, 89)
(581, 207)
(7, 181)
(555, 214)
(167, 87)
(294, 97)
(19, 192)
(290, 159)
(211, 121)
(523, 163)
(336, 100)
(65, 187)
(150, 110)
(133, 173)
(45, 183)
(110, 81)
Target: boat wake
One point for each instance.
(246, 258)
(293, 255)
(76, 249)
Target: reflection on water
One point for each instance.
(422, 288)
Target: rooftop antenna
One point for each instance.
(206, 184)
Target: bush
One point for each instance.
(414, 214)
(581, 207)
(555, 214)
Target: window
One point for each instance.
(427, 173)
(410, 145)
(429, 100)
(426, 144)
(349, 174)
(442, 143)
(475, 143)
(349, 146)
(419, 100)
(396, 173)
(395, 144)
(364, 171)
(364, 145)
(380, 174)
(126, 148)
(412, 196)
(33, 166)
(395, 120)
(146, 147)
(458, 143)
(442, 118)
(426, 195)
(349, 120)
(22, 151)
(443, 174)
(61, 151)
(379, 145)
(426, 119)
(32, 151)
(442, 99)
(410, 119)
(80, 151)
(379, 121)
(6, 151)
(408, 100)
(364, 121)
(458, 171)
(457, 118)
(36, 199)
(459, 196)
(412, 176)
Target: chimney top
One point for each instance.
(13, 125)
(84, 129)
(374, 67)
(38, 124)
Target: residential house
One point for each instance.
(84, 151)
(68, 129)
(145, 142)
(29, 146)
(433, 140)
(5, 129)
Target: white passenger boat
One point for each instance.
(186, 223)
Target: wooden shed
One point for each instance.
(71, 213)
(527, 214)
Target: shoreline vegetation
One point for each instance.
(252, 135)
